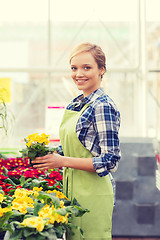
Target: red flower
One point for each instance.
(18, 167)
(2, 177)
(56, 175)
(51, 182)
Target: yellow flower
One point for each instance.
(36, 138)
(21, 193)
(20, 207)
(62, 204)
(33, 136)
(36, 191)
(43, 135)
(34, 222)
(1, 212)
(47, 142)
(4, 210)
(48, 212)
(2, 197)
(58, 194)
(59, 218)
(28, 144)
(22, 201)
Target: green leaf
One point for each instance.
(28, 183)
(48, 226)
(16, 235)
(60, 230)
(5, 171)
(28, 180)
(15, 180)
(30, 210)
(80, 209)
(8, 180)
(72, 226)
(6, 227)
(28, 216)
(67, 202)
(32, 155)
(37, 208)
(44, 233)
(16, 213)
(3, 156)
(15, 222)
(38, 236)
(28, 232)
(22, 180)
(61, 211)
(35, 183)
(49, 196)
(52, 234)
(5, 217)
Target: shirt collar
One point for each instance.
(94, 95)
(80, 100)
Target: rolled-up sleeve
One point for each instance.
(60, 150)
(107, 123)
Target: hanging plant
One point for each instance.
(3, 116)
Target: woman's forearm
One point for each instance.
(85, 164)
(56, 161)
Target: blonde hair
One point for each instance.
(95, 50)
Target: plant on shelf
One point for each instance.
(17, 173)
(32, 204)
(37, 214)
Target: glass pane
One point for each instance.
(153, 96)
(23, 33)
(121, 88)
(152, 10)
(100, 22)
(28, 105)
(153, 33)
(153, 63)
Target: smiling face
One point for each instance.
(85, 72)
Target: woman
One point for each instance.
(90, 144)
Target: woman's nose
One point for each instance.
(79, 72)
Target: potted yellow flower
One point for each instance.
(36, 146)
(5, 213)
(36, 214)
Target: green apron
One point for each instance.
(91, 191)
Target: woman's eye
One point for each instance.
(87, 68)
(73, 68)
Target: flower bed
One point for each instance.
(32, 205)
(37, 214)
(17, 173)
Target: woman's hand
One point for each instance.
(55, 160)
(49, 161)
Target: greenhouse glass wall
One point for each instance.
(36, 38)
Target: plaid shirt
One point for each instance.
(97, 129)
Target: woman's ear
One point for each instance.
(102, 71)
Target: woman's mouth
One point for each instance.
(81, 81)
